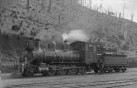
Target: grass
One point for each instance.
(8, 67)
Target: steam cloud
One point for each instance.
(75, 35)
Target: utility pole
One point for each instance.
(49, 7)
(124, 8)
(132, 15)
(28, 5)
(90, 4)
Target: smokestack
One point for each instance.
(37, 44)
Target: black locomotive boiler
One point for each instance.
(80, 58)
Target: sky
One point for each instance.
(117, 6)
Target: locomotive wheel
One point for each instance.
(51, 72)
(110, 70)
(73, 71)
(102, 70)
(44, 73)
(95, 70)
(117, 69)
(81, 70)
(101, 66)
(123, 70)
(62, 72)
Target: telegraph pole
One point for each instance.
(124, 8)
(28, 5)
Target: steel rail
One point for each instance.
(118, 83)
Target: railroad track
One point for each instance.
(88, 73)
(96, 84)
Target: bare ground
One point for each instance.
(107, 80)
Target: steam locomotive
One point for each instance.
(80, 58)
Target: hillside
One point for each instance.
(49, 19)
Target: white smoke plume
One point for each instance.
(75, 35)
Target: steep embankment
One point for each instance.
(49, 20)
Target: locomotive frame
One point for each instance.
(87, 56)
